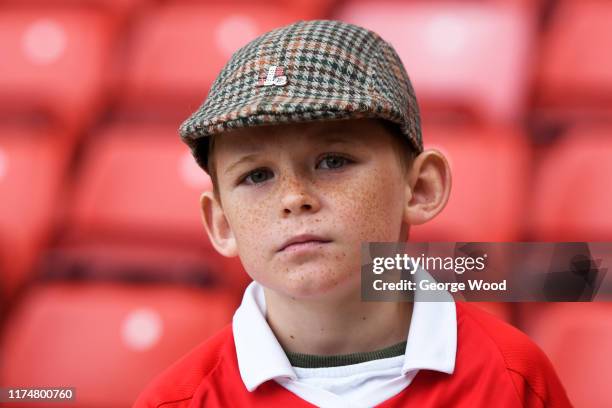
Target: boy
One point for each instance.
(311, 136)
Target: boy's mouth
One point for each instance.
(302, 240)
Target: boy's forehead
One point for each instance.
(339, 131)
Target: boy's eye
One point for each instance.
(257, 176)
(333, 162)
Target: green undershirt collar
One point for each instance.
(317, 361)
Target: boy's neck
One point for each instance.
(341, 326)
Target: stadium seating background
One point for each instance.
(106, 274)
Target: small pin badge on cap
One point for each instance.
(274, 75)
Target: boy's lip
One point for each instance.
(302, 238)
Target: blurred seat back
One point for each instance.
(32, 166)
(119, 9)
(575, 72)
(577, 337)
(468, 57)
(106, 341)
(139, 177)
(178, 49)
(53, 63)
(489, 170)
(573, 188)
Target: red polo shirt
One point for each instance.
(496, 366)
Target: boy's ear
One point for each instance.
(428, 187)
(217, 226)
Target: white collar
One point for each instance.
(431, 343)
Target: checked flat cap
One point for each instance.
(306, 71)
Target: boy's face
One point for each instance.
(341, 182)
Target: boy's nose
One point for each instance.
(297, 203)
(298, 199)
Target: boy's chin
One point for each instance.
(322, 289)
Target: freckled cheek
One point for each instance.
(250, 224)
(371, 208)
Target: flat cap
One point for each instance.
(306, 71)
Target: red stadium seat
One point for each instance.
(107, 341)
(461, 56)
(32, 165)
(53, 63)
(576, 65)
(119, 8)
(489, 171)
(146, 178)
(179, 49)
(309, 9)
(573, 190)
(136, 212)
(577, 337)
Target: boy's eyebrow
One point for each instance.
(338, 139)
(243, 159)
